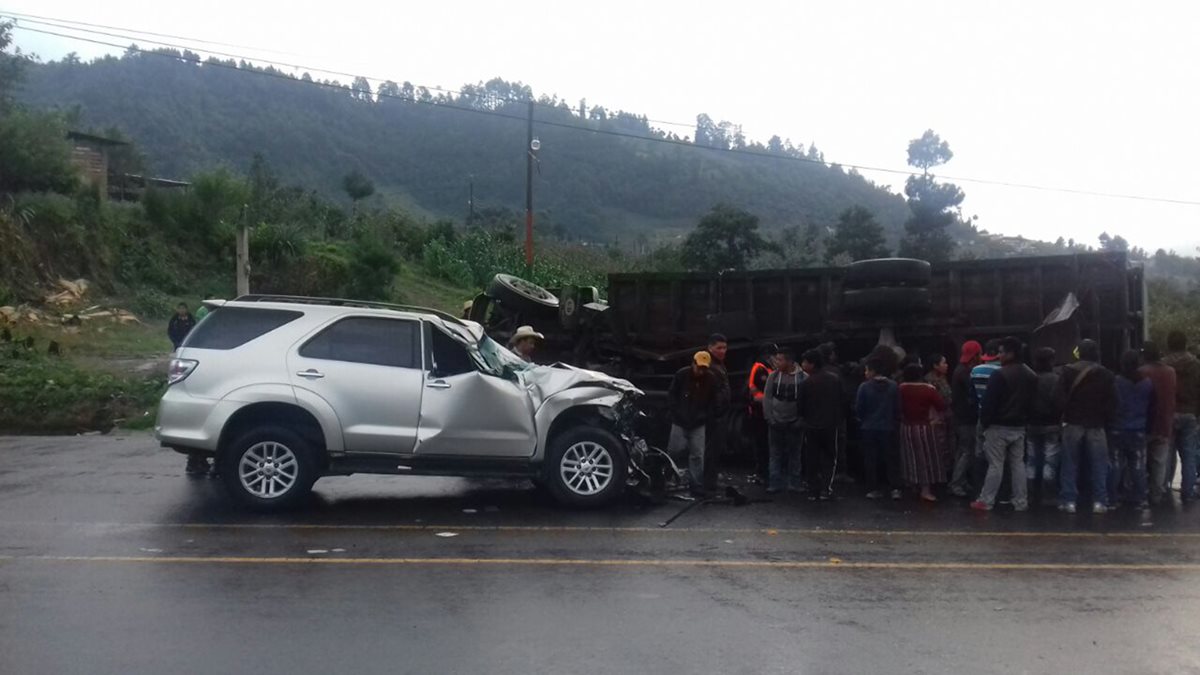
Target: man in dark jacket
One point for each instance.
(693, 399)
(1162, 423)
(966, 418)
(180, 325)
(821, 409)
(1043, 440)
(1003, 417)
(1087, 394)
(877, 406)
(716, 437)
(1187, 412)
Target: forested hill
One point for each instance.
(422, 147)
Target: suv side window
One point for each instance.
(449, 357)
(375, 341)
(232, 327)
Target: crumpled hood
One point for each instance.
(550, 380)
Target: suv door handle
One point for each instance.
(311, 374)
(438, 384)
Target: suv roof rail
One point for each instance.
(344, 302)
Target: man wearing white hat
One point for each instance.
(525, 341)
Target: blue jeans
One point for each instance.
(783, 464)
(1042, 448)
(1077, 440)
(1127, 456)
(1187, 446)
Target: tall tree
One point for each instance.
(11, 66)
(725, 238)
(934, 205)
(857, 236)
(357, 186)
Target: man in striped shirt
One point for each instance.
(982, 373)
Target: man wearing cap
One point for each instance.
(693, 400)
(1087, 394)
(1186, 433)
(966, 418)
(525, 341)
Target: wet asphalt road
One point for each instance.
(111, 561)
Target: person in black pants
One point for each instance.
(821, 410)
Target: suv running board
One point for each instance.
(469, 467)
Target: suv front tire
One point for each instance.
(269, 468)
(586, 467)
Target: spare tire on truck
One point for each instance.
(892, 272)
(523, 297)
(887, 302)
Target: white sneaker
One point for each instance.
(1066, 508)
(1099, 509)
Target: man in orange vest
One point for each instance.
(756, 384)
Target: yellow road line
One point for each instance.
(602, 562)
(567, 529)
(587, 529)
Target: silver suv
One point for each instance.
(283, 390)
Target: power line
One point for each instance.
(135, 34)
(605, 132)
(34, 18)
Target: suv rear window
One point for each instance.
(232, 327)
(379, 342)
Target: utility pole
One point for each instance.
(529, 150)
(243, 256)
(471, 201)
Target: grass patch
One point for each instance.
(414, 287)
(41, 394)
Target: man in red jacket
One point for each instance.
(1158, 446)
(755, 384)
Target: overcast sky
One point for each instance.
(1096, 96)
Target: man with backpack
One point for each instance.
(1088, 396)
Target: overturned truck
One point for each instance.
(646, 326)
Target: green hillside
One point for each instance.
(423, 149)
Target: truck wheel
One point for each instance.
(887, 301)
(586, 467)
(523, 297)
(904, 272)
(269, 468)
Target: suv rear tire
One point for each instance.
(586, 467)
(269, 468)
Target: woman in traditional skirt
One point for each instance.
(921, 461)
(939, 377)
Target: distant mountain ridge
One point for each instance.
(425, 149)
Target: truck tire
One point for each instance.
(887, 272)
(269, 468)
(586, 467)
(887, 301)
(523, 297)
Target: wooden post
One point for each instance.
(243, 257)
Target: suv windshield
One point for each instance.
(499, 360)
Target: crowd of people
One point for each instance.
(923, 425)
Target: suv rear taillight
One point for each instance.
(179, 369)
